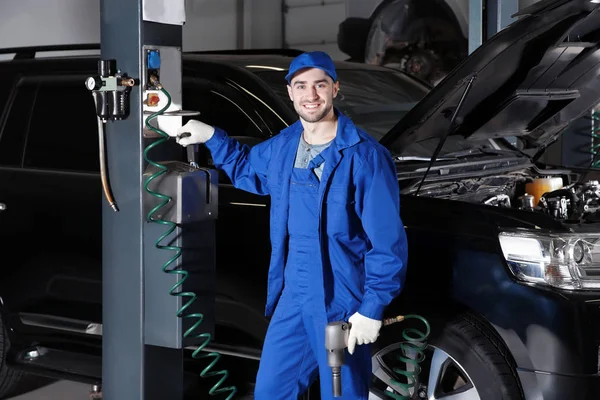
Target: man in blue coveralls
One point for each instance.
(338, 244)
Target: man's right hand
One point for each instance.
(194, 132)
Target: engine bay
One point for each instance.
(574, 202)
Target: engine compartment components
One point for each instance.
(501, 200)
(576, 202)
(539, 186)
(526, 202)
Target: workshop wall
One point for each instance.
(313, 25)
(211, 24)
(265, 24)
(34, 22)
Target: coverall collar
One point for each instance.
(346, 135)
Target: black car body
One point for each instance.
(512, 293)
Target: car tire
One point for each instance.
(9, 378)
(464, 355)
(483, 355)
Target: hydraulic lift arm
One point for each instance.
(159, 242)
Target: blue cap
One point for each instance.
(313, 59)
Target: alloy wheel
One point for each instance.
(441, 376)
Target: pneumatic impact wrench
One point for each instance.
(336, 341)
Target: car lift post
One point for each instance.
(498, 16)
(142, 346)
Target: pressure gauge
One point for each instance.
(93, 83)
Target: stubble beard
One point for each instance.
(313, 118)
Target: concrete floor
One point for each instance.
(62, 390)
(33, 387)
(38, 388)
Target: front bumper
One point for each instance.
(546, 386)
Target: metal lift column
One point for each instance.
(143, 340)
(498, 14)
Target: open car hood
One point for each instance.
(532, 79)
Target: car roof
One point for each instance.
(271, 61)
(278, 59)
(248, 60)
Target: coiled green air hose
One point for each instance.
(216, 389)
(416, 342)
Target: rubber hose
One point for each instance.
(415, 344)
(103, 173)
(198, 317)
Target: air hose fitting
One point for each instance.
(198, 317)
(415, 343)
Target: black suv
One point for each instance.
(504, 253)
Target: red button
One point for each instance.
(152, 100)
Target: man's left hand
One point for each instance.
(364, 330)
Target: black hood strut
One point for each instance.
(450, 129)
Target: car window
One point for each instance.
(16, 124)
(63, 130)
(224, 107)
(6, 86)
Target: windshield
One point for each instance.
(375, 100)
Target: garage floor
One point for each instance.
(45, 389)
(65, 390)
(40, 388)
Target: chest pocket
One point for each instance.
(340, 194)
(340, 209)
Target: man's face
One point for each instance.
(312, 92)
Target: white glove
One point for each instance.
(363, 330)
(194, 132)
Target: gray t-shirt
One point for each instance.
(306, 152)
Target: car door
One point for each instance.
(10, 152)
(243, 247)
(16, 227)
(56, 200)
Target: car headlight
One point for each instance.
(568, 261)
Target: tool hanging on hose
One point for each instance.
(110, 90)
(336, 342)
